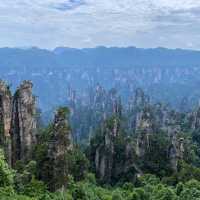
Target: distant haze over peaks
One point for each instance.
(165, 74)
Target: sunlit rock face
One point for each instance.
(5, 119)
(23, 125)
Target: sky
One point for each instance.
(89, 23)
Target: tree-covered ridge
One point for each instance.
(145, 151)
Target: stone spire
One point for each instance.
(23, 125)
(59, 145)
(141, 100)
(105, 152)
(144, 129)
(5, 119)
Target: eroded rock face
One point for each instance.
(176, 148)
(143, 121)
(145, 130)
(195, 119)
(152, 119)
(104, 154)
(5, 119)
(23, 125)
(59, 145)
(136, 109)
(176, 151)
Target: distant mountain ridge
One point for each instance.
(165, 74)
(102, 56)
(134, 56)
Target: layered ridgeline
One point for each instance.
(125, 145)
(166, 75)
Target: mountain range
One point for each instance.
(169, 75)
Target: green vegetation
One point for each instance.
(73, 173)
(24, 186)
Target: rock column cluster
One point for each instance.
(18, 122)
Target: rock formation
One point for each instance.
(194, 119)
(144, 129)
(5, 119)
(59, 145)
(176, 151)
(142, 121)
(23, 125)
(104, 153)
(150, 119)
(135, 109)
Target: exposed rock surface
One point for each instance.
(142, 121)
(151, 119)
(195, 119)
(23, 125)
(88, 113)
(5, 118)
(104, 155)
(105, 152)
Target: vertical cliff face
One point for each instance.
(136, 109)
(142, 121)
(144, 129)
(152, 119)
(59, 145)
(172, 126)
(23, 125)
(176, 151)
(155, 121)
(141, 99)
(195, 120)
(105, 151)
(5, 119)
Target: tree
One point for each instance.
(77, 163)
(6, 174)
(163, 193)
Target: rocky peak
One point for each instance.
(105, 152)
(152, 119)
(195, 119)
(140, 98)
(5, 118)
(23, 125)
(176, 151)
(5, 108)
(59, 145)
(62, 132)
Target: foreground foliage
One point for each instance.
(80, 179)
(24, 186)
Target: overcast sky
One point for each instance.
(89, 23)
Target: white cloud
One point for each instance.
(99, 22)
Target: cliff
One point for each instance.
(5, 119)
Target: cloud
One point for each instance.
(86, 23)
(67, 5)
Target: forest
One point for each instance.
(105, 150)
